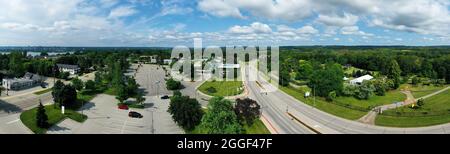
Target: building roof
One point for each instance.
(18, 80)
(67, 66)
(362, 78)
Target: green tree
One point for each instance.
(64, 75)
(284, 77)
(69, 96)
(247, 110)
(140, 98)
(171, 84)
(393, 72)
(366, 90)
(420, 102)
(90, 86)
(177, 93)
(349, 90)
(427, 69)
(323, 81)
(98, 78)
(41, 116)
(220, 118)
(185, 111)
(415, 80)
(331, 96)
(132, 87)
(77, 84)
(16, 64)
(447, 78)
(122, 93)
(381, 86)
(57, 91)
(304, 71)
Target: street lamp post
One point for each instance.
(152, 127)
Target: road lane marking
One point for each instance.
(14, 121)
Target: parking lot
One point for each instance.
(106, 118)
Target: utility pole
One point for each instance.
(153, 128)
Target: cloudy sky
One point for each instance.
(224, 22)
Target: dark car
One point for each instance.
(165, 97)
(134, 114)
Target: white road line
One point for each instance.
(14, 121)
(123, 127)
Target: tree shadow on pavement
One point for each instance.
(87, 106)
(9, 108)
(57, 128)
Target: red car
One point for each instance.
(123, 107)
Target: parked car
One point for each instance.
(165, 97)
(134, 114)
(123, 107)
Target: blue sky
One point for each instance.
(223, 22)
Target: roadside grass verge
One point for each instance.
(323, 105)
(43, 91)
(389, 98)
(221, 88)
(435, 111)
(423, 90)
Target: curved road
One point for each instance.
(276, 103)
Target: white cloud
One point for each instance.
(108, 3)
(307, 30)
(419, 16)
(274, 9)
(255, 27)
(219, 8)
(122, 11)
(354, 30)
(335, 20)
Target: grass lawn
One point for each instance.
(43, 91)
(422, 90)
(323, 105)
(111, 91)
(257, 128)
(437, 103)
(390, 97)
(221, 88)
(28, 117)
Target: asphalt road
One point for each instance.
(321, 121)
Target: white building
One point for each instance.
(360, 79)
(72, 69)
(27, 81)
